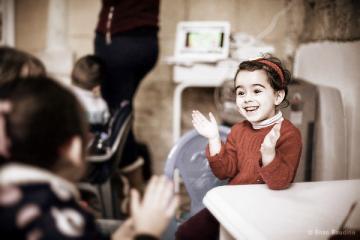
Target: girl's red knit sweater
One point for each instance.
(240, 158)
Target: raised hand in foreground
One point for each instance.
(153, 214)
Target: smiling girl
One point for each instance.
(265, 148)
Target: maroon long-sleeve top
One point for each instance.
(239, 159)
(118, 16)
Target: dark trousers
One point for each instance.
(201, 226)
(128, 58)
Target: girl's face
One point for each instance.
(255, 98)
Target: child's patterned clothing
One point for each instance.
(36, 204)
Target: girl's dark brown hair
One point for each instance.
(275, 79)
(44, 117)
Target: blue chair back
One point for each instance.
(188, 156)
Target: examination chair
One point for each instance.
(103, 178)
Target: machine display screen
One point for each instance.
(208, 40)
(202, 41)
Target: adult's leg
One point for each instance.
(201, 226)
(128, 59)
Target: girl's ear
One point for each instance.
(72, 151)
(280, 95)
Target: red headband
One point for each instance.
(274, 67)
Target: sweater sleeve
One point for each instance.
(281, 171)
(224, 164)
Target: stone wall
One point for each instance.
(331, 20)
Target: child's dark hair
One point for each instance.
(88, 72)
(278, 76)
(35, 67)
(44, 116)
(12, 63)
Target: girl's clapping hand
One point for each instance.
(267, 148)
(206, 128)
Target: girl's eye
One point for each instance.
(257, 91)
(240, 93)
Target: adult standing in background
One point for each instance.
(126, 39)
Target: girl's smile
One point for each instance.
(255, 97)
(251, 108)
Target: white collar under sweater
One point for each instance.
(21, 174)
(277, 118)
